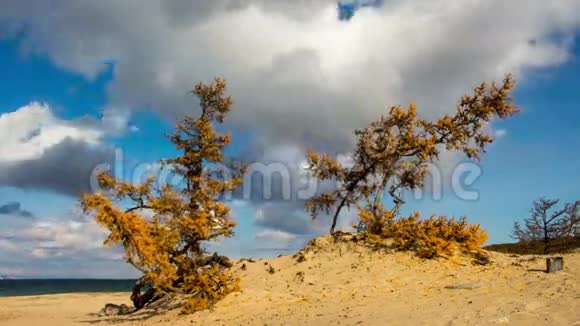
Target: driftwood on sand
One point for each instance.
(111, 309)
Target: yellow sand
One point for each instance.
(346, 284)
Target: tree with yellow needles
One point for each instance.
(167, 246)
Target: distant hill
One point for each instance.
(537, 248)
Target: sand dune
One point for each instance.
(348, 284)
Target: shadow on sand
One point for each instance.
(537, 270)
(158, 308)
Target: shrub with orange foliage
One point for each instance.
(429, 238)
(372, 224)
(435, 236)
(164, 228)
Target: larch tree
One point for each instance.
(391, 155)
(165, 227)
(547, 224)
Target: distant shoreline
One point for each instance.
(36, 287)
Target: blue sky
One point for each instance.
(75, 90)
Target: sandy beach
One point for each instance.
(347, 284)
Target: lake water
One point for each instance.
(52, 286)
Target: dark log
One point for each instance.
(141, 299)
(554, 264)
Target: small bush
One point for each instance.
(482, 258)
(300, 258)
(429, 238)
(375, 226)
(435, 236)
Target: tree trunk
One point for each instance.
(141, 299)
(335, 218)
(333, 226)
(545, 236)
(349, 190)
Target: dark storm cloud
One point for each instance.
(15, 209)
(65, 168)
(287, 217)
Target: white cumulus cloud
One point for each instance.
(31, 130)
